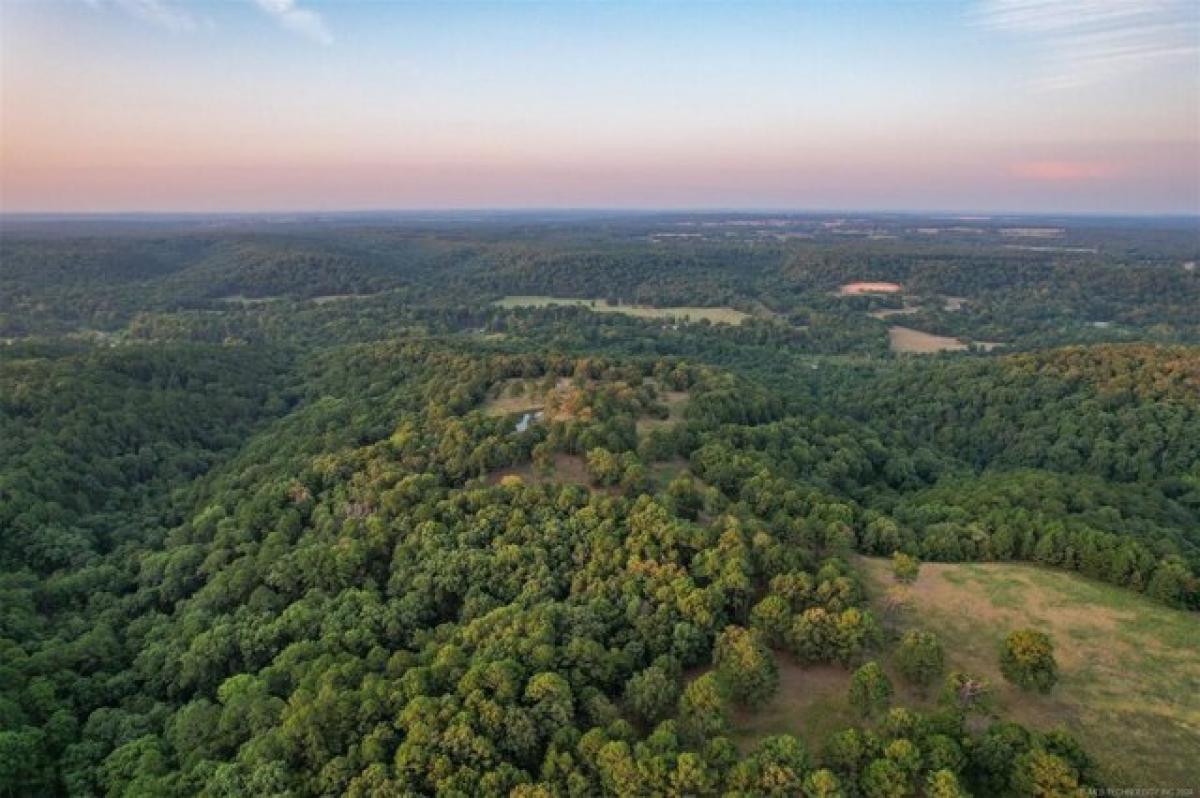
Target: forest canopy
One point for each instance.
(303, 511)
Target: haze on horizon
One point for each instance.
(323, 105)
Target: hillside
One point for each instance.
(308, 513)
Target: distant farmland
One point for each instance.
(719, 315)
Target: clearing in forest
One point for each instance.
(721, 315)
(674, 400)
(915, 342)
(567, 468)
(910, 341)
(854, 289)
(1129, 668)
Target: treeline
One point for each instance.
(51, 284)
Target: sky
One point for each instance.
(1029, 106)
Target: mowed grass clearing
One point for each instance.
(910, 341)
(915, 342)
(721, 315)
(1129, 668)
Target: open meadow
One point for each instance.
(1129, 669)
(718, 315)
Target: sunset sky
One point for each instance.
(999, 105)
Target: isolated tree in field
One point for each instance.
(702, 711)
(1027, 660)
(966, 693)
(905, 568)
(745, 666)
(870, 690)
(919, 657)
(651, 694)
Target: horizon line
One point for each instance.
(583, 209)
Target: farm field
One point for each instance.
(1129, 669)
(719, 315)
(915, 342)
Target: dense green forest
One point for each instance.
(299, 509)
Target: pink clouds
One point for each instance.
(1063, 171)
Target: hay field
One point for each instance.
(720, 315)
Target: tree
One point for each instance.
(745, 666)
(1041, 774)
(905, 568)
(966, 693)
(702, 711)
(813, 635)
(823, 784)
(781, 763)
(651, 694)
(1171, 583)
(919, 657)
(883, 778)
(943, 784)
(870, 690)
(603, 467)
(1027, 660)
(773, 619)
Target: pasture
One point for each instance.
(717, 315)
(1129, 668)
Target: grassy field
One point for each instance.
(1129, 668)
(514, 396)
(908, 340)
(675, 401)
(904, 339)
(568, 469)
(715, 315)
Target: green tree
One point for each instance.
(745, 665)
(1027, 660)
(943, 784)
(702, 708)
(823, 784)
(779, 765)
(870, 690)
(919, 657)
(651, 694)
(905, 568)
(773, 619)
(604, 467)
(1041, 774)
(883, 778)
